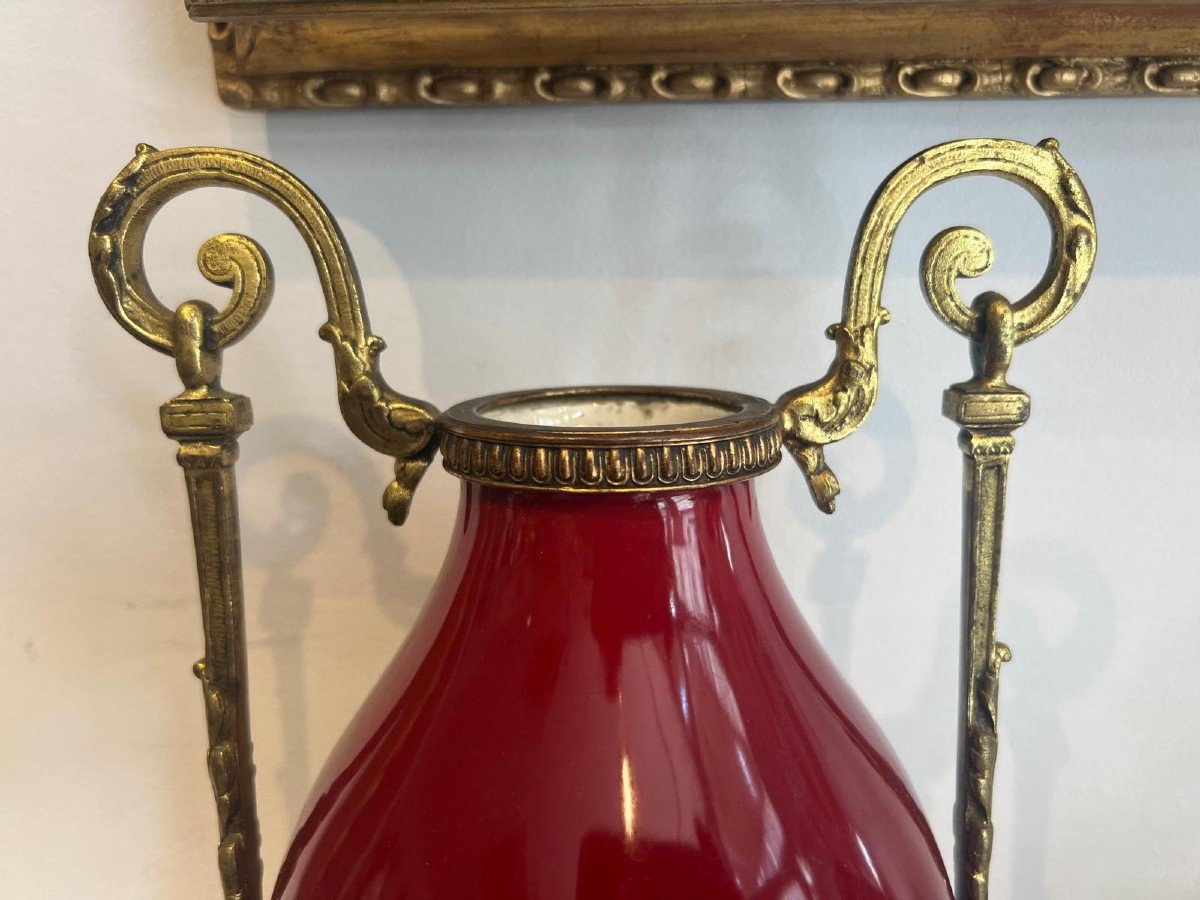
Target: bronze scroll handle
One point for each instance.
(833, 407)
(986, 407)
(389, 422)
(207, 420)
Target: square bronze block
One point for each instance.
(980, 410)
(206, 418)
(349, 53)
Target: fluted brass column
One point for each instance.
(207, 420)
(989, 409)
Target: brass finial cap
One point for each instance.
(611, 438)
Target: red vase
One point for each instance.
(611, 695)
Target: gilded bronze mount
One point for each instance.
(739, 437)
(520, 440)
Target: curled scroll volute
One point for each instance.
(389, 422)
(832, 408)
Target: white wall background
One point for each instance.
(500, 249)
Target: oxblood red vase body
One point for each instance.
(612, 697)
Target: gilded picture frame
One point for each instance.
(354, 53)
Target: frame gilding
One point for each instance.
(354, 53)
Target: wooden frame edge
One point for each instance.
(520, 54)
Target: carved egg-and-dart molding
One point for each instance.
(273, 54)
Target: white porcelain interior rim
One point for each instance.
(611, 415)
(591, 411)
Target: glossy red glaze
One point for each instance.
(612, 697)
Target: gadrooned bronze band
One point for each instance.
(740, 441)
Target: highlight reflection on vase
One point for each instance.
(609, 696)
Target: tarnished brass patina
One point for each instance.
(451, 53)
(589, 439)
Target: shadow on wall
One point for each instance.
(564, 245)
(571, 247)
(1050, 668)
(280, 543)
(836, 584)
(709, 190)
(586, 193)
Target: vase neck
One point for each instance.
(666, 551)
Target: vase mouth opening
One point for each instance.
(606, 438)
(624, 409)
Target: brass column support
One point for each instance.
(988, 409)
(207, 420)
